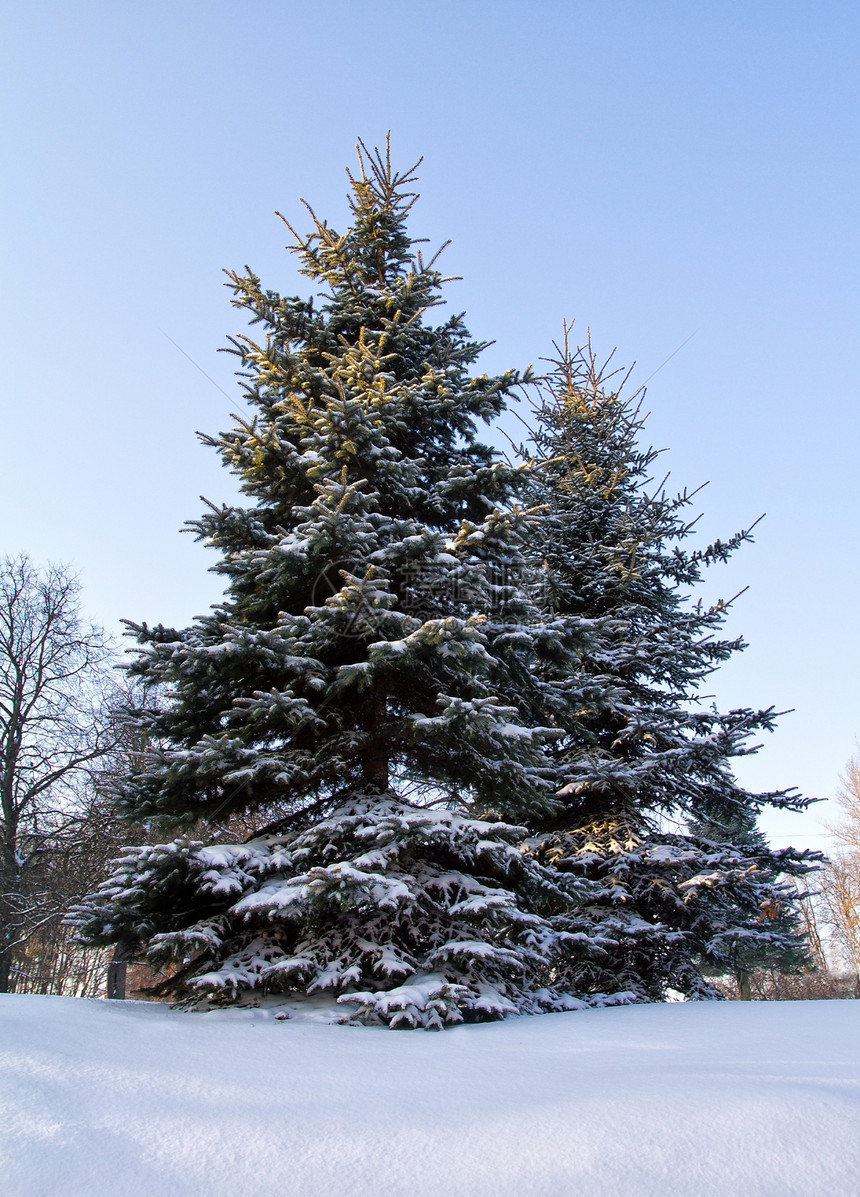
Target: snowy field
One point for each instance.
(105, 1098)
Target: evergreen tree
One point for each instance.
(366, 684)
(652, 814)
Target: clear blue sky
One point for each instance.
(653, 170)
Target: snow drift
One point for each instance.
(100, 1098)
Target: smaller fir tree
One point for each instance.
(653, 816)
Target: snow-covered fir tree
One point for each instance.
(653, 814)
(366, 694)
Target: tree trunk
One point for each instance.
(375, 764)
(10, 868)
(744, 988)
(117, 973)
(9, 885)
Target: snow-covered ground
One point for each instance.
(99, 1099)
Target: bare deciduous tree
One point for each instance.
(52, 732)
(848, 830)
(840, 898)
(840, 883)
